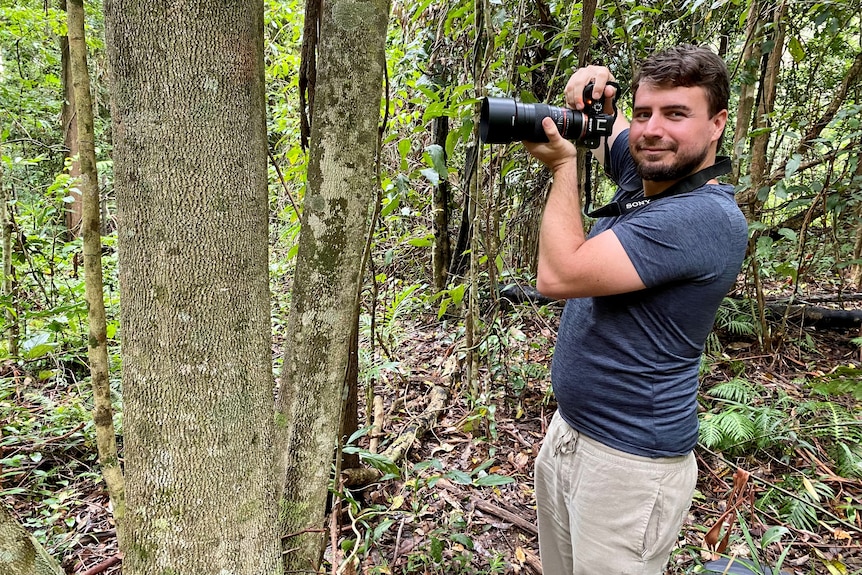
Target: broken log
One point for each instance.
(517, 294)
(814, 316)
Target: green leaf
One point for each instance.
(438, 160)
(459, 477)
(773, 535)
(421, 242)
(792, 165)
(37, 346)
(788, 233)
(434, 110)
(436, 550)
(493, 479)
(796, 50)
(462, 539)
(379, 462)
(457, 293)
(390, 206)
(431, 175)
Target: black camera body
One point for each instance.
(504, 120)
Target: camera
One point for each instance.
(503, 120)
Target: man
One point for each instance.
(616, 473)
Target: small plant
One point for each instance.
(743, 417)
(733, 317)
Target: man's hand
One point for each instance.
(557, 152)
(599, 76)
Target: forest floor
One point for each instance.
(463, 501)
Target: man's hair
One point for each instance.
(687, 66)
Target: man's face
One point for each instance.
(672, 134)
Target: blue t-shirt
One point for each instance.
(625, 367)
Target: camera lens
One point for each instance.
(503, 120)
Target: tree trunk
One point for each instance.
(8, 284)
(749, 201)
(190, 164)
(748, 84)
(341, 193)
(74, 209)
(442, 255)
(20, 553)
(97, 349)
(856, 269)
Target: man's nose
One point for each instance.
(654, 126)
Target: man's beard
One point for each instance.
(683, 164)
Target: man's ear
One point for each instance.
(718, 122)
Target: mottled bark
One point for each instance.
(748, 199)
(856, 269)
(88, 183)
(748, 84)
(20, 553)
(74, 209)
(8, 283)
(187, 82)
(342, 185)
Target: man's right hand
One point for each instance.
(599, 76)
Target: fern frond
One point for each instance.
(710, 432)
(737, 390)
(848, 459)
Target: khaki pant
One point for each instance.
(606, 512)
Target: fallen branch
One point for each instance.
(397, 450)
(491, 509)
(104, 565)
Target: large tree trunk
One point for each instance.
(187, 81)
(20, 553)
(97, 349)
(342, 190)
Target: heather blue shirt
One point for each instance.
(625, 367)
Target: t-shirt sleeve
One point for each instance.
(621, 166)
(685, 237)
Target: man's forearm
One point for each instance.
(562, 229)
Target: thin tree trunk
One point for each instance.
(341, 194)
(749, 200)
(748, 85)
(350, 421)
(190, 164)
(442, 254)
(103, 413)
(11, 313)
(20, 553)
(856, 269)
(474, 190)
(74, 209)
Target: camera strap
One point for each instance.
(692, 182)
